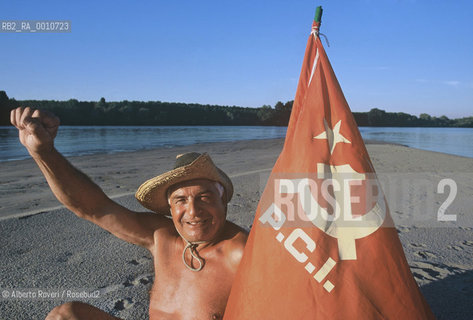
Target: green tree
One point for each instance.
(376, 117)
(5, 107)
(288, 105)
(279, 106)
(265, 114)
(425, 116)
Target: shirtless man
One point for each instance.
(196, 252)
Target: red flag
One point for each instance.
(323, 245)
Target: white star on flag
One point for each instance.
(332, 135)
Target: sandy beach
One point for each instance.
(46, 247)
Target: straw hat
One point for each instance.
(188, 166)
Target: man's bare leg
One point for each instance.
(78, 311)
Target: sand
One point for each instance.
(47, 248)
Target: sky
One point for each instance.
(413, 56)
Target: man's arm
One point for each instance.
(73, 188)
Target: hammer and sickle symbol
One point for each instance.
(346, 231)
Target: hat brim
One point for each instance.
(152, 194)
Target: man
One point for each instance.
(196, 252)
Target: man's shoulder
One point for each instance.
(234, 243)
(235, 234)
(165, 227)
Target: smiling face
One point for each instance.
(198, 211)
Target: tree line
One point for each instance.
(74, 112)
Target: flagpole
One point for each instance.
(317, 20)
(318, 14)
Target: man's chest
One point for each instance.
(179, 290)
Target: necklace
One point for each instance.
(192, 249)
(192, 246)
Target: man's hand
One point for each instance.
(37, 128)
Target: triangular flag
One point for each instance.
(323, 245)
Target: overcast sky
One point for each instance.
(401, 56)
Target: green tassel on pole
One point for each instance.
(318, 14)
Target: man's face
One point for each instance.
(198, 211)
